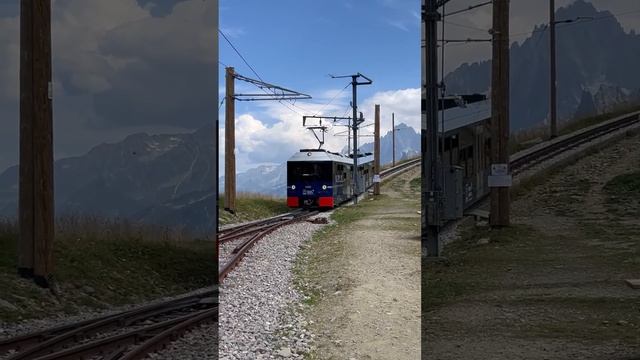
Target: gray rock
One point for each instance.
(285, 352)
(7, 305)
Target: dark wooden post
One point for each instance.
(376, 151)
(230, 144)
(36, 213)
(500, 116)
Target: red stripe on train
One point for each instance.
(325, 201)
(293, 202)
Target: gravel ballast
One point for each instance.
(260, 309)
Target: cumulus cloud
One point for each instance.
(274, 134)
(404, 103)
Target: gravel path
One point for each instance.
(365, 277)
(260, 310)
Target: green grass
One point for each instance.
(321, 249)
(98, 272)
(416, 184)
(584, 122)
(327, 245)
(524, 139)
(445, 280)
(399, 162)
(252, 207)
(623, 194)
(508, 272)
(626, 184)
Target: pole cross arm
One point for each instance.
(276, 92)
(368, 82)
(469, 40)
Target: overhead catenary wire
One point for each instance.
(239, 54)
(466, 26)
(332, 99)
(472, 7)
(255, 72)
(544, 27)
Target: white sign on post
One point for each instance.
(499, 176)
(376, 178)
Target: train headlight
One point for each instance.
(324, 187)
(293, 187)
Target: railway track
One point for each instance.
(232, 232)
(386, 174)
(239, 240)
(128, 335)
(247, 235)
(528, 158)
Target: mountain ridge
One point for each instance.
(607, 77)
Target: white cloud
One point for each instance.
(232, 32)
(399, 25)
(261, 141)
(404, 103)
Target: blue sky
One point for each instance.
(296, 44)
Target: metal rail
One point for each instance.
(530, 157)
(400, 168)
(240, 251)
(77, 340)
(234, 232)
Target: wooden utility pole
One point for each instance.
(270, 92)
(36, 203)
(500, 178)
(393, 139)
(376, 150)
(230, 143)
(431, 187)
(553, 115)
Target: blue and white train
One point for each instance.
(317, 178)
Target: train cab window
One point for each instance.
(309, 171)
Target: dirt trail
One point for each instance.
(552, 285)
(369, 273)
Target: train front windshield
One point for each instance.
(309, 171)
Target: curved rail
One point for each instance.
(62, 341)
(245, 229)
(240, 250)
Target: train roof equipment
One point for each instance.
(324, 155)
